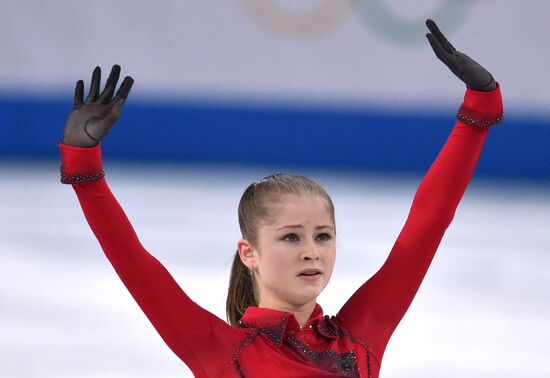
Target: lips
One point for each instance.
(310, 272)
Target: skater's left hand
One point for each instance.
(468, 70)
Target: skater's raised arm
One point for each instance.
(383, 300)
(181, 323)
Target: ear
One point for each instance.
(247, 253)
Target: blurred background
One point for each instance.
(347, 92)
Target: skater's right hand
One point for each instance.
(91, 120)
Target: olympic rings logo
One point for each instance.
(328, 15)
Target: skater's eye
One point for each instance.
(291, 237)
(324, 237)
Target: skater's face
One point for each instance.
(299, 235)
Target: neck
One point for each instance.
(301, 312)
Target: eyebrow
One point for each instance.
(300, 226)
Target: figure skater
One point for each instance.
(287, 251)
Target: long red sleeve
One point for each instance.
(377, 307)
(193, 333)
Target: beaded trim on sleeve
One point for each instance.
(77, 178)
(470, 121)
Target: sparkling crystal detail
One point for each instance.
(344, 364)
(77, 178)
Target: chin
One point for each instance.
(306, 295)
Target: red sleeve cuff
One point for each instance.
(80, 164)
(481, 109)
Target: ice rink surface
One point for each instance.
(482, 311)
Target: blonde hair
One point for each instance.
(253, 209)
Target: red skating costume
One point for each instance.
(269, 343)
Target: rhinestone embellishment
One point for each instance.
(77, 178)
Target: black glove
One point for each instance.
(469, 71)
(90, 121)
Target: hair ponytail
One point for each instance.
(241, 293)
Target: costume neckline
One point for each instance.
(268, 317)
(276, 324)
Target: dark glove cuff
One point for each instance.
(80, 164)
(490, 86)
(481, 109)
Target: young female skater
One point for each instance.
(287, 251)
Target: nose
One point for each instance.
(310, 252)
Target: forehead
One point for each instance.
(300, 208)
